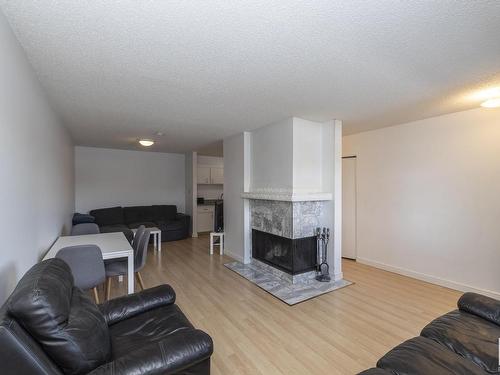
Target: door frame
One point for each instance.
(355, 205)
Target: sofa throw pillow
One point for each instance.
(82, 218)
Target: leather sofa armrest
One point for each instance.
(125, 307)
(179, 351)
(482, 306)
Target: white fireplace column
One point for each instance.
(296, 161)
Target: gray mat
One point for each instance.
(281, 289)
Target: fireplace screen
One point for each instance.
(293, 256)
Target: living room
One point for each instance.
(250, 188)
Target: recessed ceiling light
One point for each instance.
(146, 142)
(491, 103)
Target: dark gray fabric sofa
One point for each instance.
(464, 341)
(173, 225)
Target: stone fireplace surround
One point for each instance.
(291, 227)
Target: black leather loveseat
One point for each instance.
(47, 326)
(464, 341)
(174, 226)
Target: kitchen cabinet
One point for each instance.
(205, 215)
(210, 175)
(203, 175)
(217, 175)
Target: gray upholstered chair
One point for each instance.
(84, 228)
(86, 264)
(119, 267)
(137, 237)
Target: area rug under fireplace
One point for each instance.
(282, 289)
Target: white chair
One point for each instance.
(213, 236)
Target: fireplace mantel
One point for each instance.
(287, 195)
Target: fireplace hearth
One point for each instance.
(293, 256)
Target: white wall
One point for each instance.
(428, 199)
(236, 209)
(307, 154)
(106, 178)
(36, 166)
(272, 156)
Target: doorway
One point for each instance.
(349, 207)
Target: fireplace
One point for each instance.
(293, 256)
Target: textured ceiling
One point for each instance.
(199, 71)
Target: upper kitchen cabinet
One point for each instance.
(203, 175)
(210, 175)
(217, 175)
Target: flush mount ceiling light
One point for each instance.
(146, 142)
(491, 103)
(489, 98)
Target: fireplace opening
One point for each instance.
(293, 256)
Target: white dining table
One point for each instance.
(112, 245)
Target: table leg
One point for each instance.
(130, 274)
(211, 243)
(221, 244)
(159, 241)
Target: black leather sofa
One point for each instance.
(47, 326)
(464, 341)
(174, 226)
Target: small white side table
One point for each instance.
(156, 233)
(213, 235)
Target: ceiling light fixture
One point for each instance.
(146, 142)
(491, 103)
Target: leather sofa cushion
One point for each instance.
(164, 212)
(421, 355)
(482, 306)
(108, 216)
(64, 321)
(146, 328)
(136, 214)
(375, 371)
(184, 352)
(467, 335)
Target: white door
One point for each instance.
(203, 175)
(349, 207)
(216, 175)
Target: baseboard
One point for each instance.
(237, 257)
(429, 278)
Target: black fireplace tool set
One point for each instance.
(322, 267)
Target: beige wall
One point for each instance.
(429, 199)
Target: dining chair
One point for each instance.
(86, 264)
(119, 267)
(84, 228)
(137, 237)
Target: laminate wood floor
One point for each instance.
(342, 332)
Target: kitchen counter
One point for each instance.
(210, 202)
